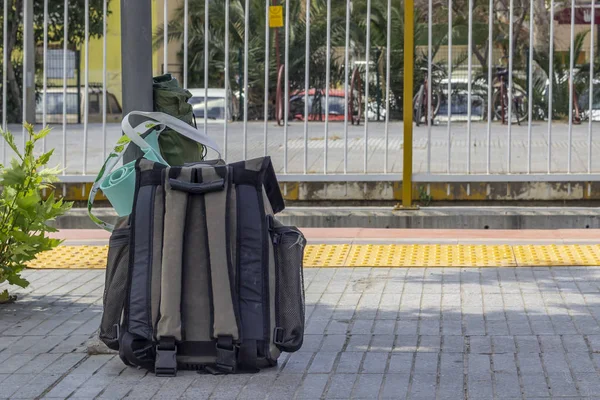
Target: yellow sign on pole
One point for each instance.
(275, 16)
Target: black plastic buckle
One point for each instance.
(278, 336)
(165, 363)
(226, 355)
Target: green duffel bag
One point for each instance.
(170, 98)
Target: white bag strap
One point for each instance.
(164, 120)
(154, 120)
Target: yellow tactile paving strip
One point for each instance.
(430, 256)
(72, 257)
(330, 255)
(366, 255)
(557, 255)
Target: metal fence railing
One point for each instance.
(504, 90)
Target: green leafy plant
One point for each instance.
(24, 214)
(560, 80)
(424, 198)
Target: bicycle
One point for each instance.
(577, 115)
(520, 99)
(355, 102)
(280, 92)
(579, 105)
(520, 110)
(420, 100)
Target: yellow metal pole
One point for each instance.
(407, 168)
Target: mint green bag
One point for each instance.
(119, 184)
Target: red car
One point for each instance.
(316, 105)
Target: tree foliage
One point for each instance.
(56, 12)
(357, 42)
(297, 41)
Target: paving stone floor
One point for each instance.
(524, 333)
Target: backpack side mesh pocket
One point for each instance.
(289, 243)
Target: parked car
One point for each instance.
(75, 102)
(217, 109)
(460, 100)
(584, 103)
(316, 105)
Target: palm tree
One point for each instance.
(256, 55)
(297, 29)
(560, 80)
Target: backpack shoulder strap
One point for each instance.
(169, 324)
(225, 313)
(169, 327)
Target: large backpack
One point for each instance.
(201, 275)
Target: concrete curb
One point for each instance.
(384, 217)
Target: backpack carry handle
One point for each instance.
(197, 188)
(159, 120)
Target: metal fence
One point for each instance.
(51, 99)
(513, 101)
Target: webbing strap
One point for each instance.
(136, 352)
(225, 323)
(248, 356)
(169, 324)
(151, 178)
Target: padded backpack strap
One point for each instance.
(169, 324)
(169, 330)
(225, 321)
